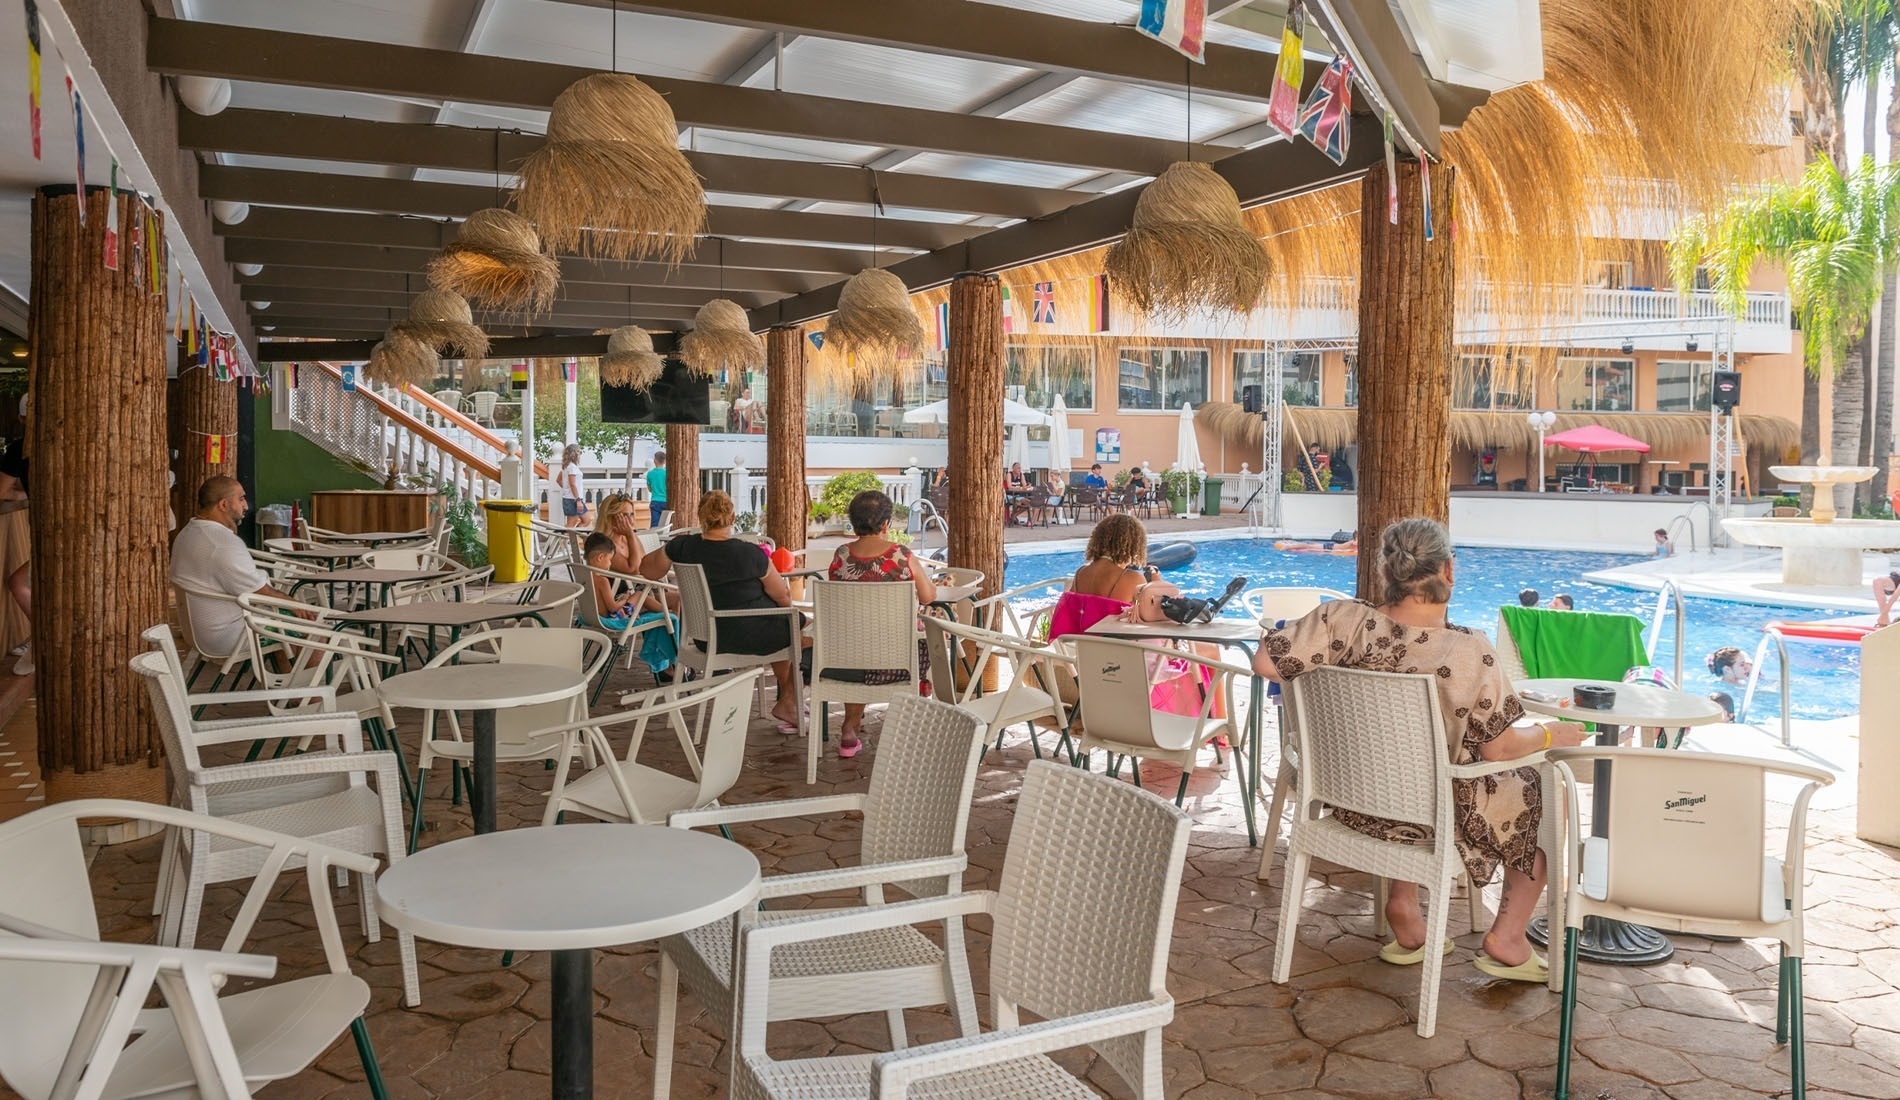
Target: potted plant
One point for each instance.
(819, 515)
(1786, 506)
(1180, 487)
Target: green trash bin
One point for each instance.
(507, 550)
(1210, 497)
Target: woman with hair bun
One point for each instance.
(1497, 816)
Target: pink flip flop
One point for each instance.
(849, 749)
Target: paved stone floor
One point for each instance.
(1696, 1028)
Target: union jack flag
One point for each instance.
(1043, 307)
(1324, 119)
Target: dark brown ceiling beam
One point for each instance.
(623, 298)
(379, 195)
(1258, 175)
(177, 47)
(345, 260)
(989, 32)
(584, 314)
(321, 325)
(427, 235)
(279, 350)
(461, 148)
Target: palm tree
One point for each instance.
(1867, 33)
(1834, 235)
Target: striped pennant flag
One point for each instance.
(112, 220)
(1098, 304)
(1180, 25)
(943, 326)
(33, 72)
(1283, 103)
(1009, 312)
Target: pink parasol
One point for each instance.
(1592, 438)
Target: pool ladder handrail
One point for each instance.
(927, 515)
(1686, 521)
(1770, 634)
(1663, 594)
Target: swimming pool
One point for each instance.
(1826, 679)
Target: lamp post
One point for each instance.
(1541, 421)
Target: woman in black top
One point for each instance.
(739, 577)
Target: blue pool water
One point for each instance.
(1826, 678)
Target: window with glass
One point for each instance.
(1483, 382)
(1352, 380)
(1683, 385)
(1595, 385)
(1299, 375)
(1161, 379)
(1034, 375)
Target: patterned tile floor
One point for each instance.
(1698, 1027)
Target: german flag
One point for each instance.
(1098, 304)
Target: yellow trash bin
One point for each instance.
(507, 549)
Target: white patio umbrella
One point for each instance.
(1187, 448)
(1018, 448)
(1059, 456)
(1014, 413)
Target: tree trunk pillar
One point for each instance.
(682, 473)
(96, 438)
(1406, 309)
(785, 505)
(206, 408)
(975, 369)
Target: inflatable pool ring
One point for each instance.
(1836, 631)
(1172, 556)
(1296, 546)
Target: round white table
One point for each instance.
(568, 889)
(483, 689)
(1603, 940)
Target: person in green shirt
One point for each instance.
(656, 489)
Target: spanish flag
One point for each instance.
(214, 450)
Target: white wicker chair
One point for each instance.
(959, 658)
(73, 1002)
(1084, 951)
(1117, 715)
(857, 627)
(481, 406)
(1268, 606)
(699, 625)
(1690, 862)
(518, 733)
(914, 819)
(1374, 743)
(275, 795)
(619, 789)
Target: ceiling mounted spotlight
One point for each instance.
(228, 212)
(204, 95)
(1629, 345)
(260, 305)
(250, 269)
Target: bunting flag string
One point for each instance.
(112, 220)
(1323, 121)
(1181, 25)
(1043, 304)
(1391, 174)
(1283, 102)
(79, 140)
(33, 72)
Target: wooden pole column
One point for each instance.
(785, 505)
(1406, 286)
(96, 439)
(682, 473)
(975, 369)
(206, 407)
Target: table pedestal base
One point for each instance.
(483, 794)
(573, 1051)
(1608, 941)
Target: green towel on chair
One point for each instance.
(1585, 645)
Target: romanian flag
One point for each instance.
(33, 72)
(1283, 104)
(1098, 304)
(1324, 121)
(112, 220)
(943, 326)
(1179, 24)
(79, 140)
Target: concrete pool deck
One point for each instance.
(1744, 575)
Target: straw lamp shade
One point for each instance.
(441, 319)
(875, 322)
(1189, 248)
(611, 180)
(399, 358)
(496, 260)
(721, 339)
(630, 359)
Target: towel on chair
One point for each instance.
(1586, 645)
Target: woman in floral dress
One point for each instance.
(1497, 816)
(872, 556)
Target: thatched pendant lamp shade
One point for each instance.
(874, 319)
(630, 359)
(1188, 248)
(611, 180)
(721, 339)
(496, 260)
(441, 319)
(399, 358)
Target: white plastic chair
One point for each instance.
(74, 1002)
(621, 790)
(275, 795)
(961, 655)
(1685, 849)
(481, 406)
(1021, 613)
(408, 558)
(857, 627)
(517, 729)
(556, 601)
(1374, 743)
(699, 626)
(1117, 714)
(1084, 951)
(915, 815)
(1269, 605)
(199, 652)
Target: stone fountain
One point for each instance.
(1819, 550)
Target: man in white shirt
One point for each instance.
(209, 555)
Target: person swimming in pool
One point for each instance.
(1730, 665)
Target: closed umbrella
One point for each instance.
(1014, 413)
(1018, 450)
(1059, 457)
(1187, 450)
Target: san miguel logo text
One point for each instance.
(1685, 803)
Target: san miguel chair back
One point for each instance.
(1118, 716)
(857, 627)
(1687, 849)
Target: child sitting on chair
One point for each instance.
(657, 647)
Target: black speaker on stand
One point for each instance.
(1727, 390)
(1250, 399)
